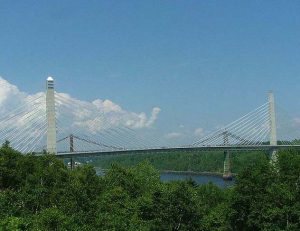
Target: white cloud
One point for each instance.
(12, 100)
(199, 132)
(106, 105)
(174, 135)
(154, 115)
(77, 114)
(11, 97)
(100, 115)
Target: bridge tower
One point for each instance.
(272, 119)
(71, 141)
(227, 175)
(51, 121)
(273, 136)
(71, 137)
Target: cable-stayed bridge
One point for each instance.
(46, 122)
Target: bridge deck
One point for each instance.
(183, 149)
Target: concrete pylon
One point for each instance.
(273, 133)
(51, 121)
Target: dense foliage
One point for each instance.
(197, 161)
(40, 193)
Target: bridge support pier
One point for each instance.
(273, 155)
(227, 175)
(72, 163)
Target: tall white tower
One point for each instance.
(273, 136)
(51, 122)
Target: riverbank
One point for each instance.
(215, 174)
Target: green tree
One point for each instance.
(13, 223)
(52, 219)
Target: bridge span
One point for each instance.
(43, 127)
(175, 149)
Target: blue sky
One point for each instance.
(204, 63)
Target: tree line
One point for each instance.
(41, 193)
(197, 161)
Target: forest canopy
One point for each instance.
(41, 193)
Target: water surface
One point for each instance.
(198, 178)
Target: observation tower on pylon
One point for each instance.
(51, 121)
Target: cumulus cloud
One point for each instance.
(11, 97)
(199, 132)
(78, 114)
(102, 114)
(106, 105)
(154, 115)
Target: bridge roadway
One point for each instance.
(175, 149)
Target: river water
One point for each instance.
(198, 178)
